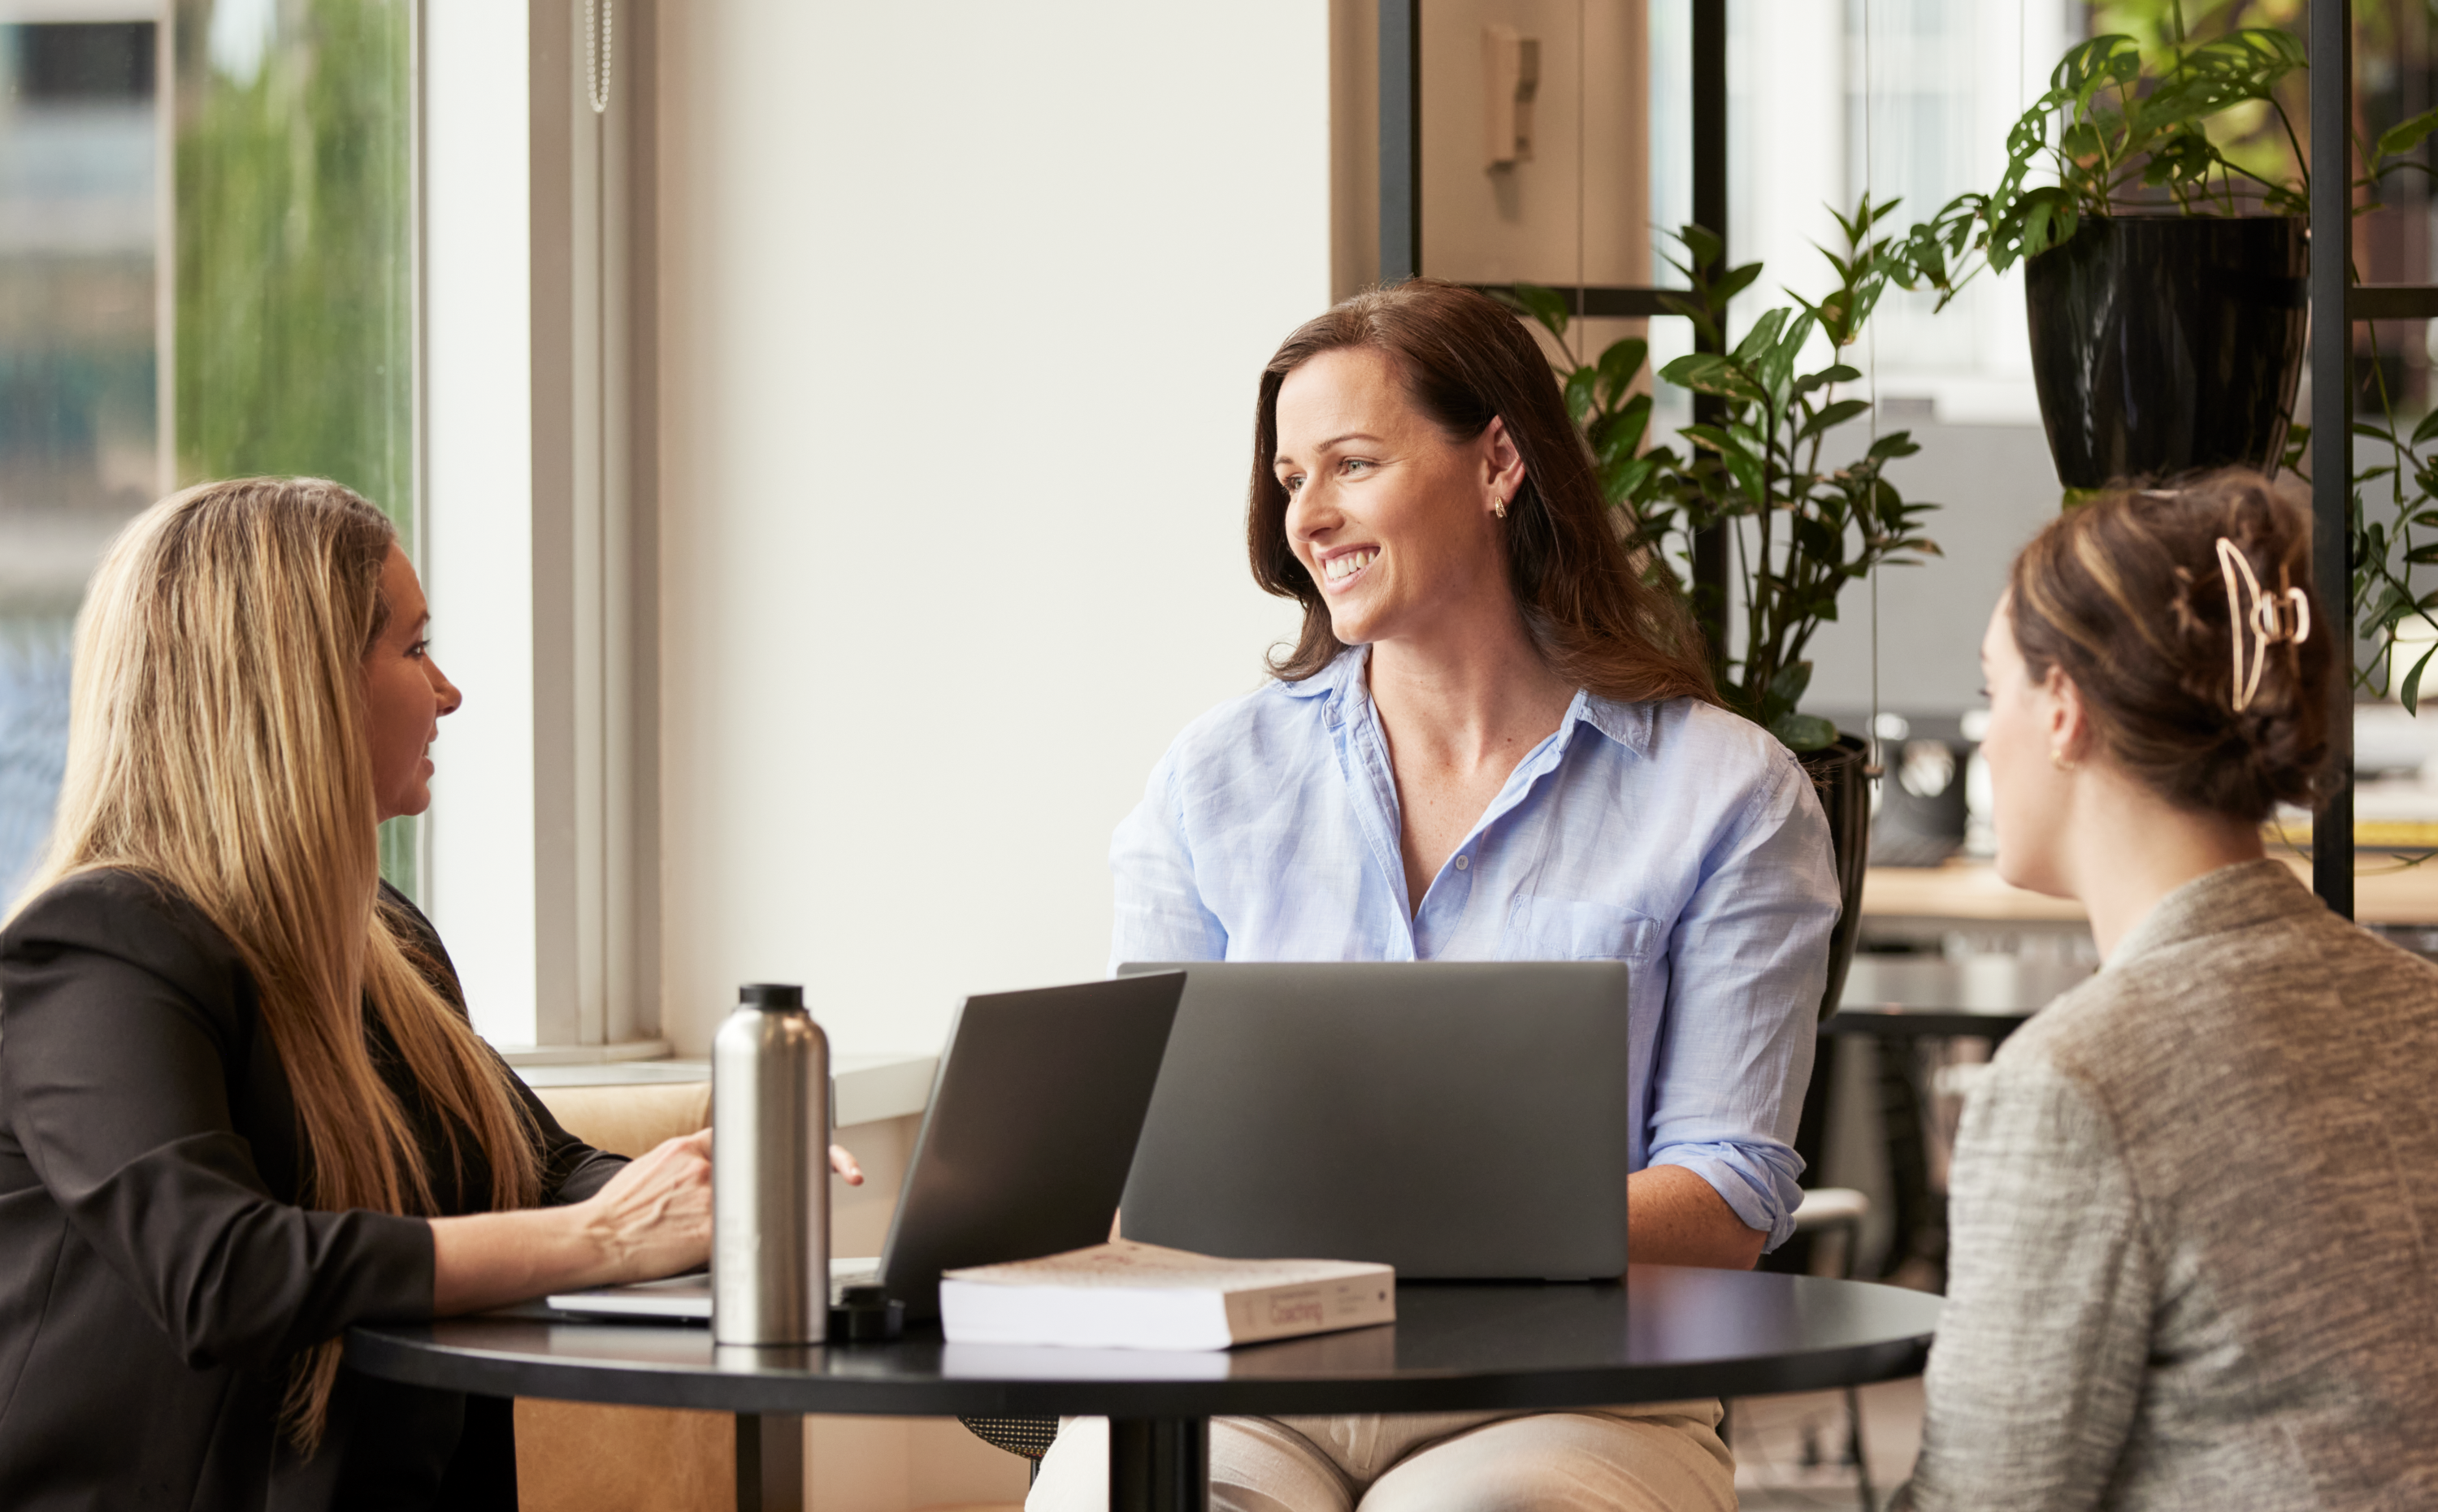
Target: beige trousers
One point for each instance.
(1666, 1457)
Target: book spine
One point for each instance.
(1283, 1311)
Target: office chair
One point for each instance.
(1842, 1210)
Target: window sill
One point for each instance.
(869, 1088)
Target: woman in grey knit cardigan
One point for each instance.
(2195, 1202)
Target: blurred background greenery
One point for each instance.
(295, 266)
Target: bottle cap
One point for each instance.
(866, 1313)
(771, 997)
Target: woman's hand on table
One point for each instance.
(654, 1217)
(652, 1220)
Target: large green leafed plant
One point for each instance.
(2121, 129)
(2118, 133)
(1801, 528)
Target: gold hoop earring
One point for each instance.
(2057, 759)
(1498, 506)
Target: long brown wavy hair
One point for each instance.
(1590, 614)
(217, 742)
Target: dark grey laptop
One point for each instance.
(1024, 1148)
(1454, 1120)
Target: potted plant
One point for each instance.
(1802, 528)
(2392, 548)
(2166, 287)
(2168, 284)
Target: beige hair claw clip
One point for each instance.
(2264, 615)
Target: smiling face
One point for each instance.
(405, 694)
(1393, 521)
(2030, 792)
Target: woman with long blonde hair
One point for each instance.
(241, 1107)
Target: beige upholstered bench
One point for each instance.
(577, 1457)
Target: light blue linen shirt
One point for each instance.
(1674, 837)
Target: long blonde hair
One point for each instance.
(217, 742)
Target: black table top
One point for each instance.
(1987, 995)
(1668, 1332)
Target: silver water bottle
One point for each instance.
(769, 1172)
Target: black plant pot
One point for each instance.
(1838, 773)
(2162, 344)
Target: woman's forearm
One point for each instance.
(652, 1220)
(1675, 1218)
(491, 1259)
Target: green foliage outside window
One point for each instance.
(294, 195)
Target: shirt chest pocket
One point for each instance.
(1563, 929)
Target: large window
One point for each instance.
(294, 216)
(81, 431)
(281, 320)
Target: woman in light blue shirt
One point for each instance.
(1493, 741)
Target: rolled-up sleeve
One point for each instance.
(1748, 961)
(115, 1083)
(1160, 915)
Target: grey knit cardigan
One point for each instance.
(2195, 1227)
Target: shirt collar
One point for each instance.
(1338, 685)
(1341, 684)
(1629, 724)
(1332, 679)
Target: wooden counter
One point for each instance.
(1969, 891)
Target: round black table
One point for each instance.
(1668, 1332)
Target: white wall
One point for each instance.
(479, 500)
(963, 309)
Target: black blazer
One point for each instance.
(157, 1278)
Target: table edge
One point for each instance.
(392, 1353)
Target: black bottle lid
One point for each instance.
(771, 997)
(866, 1313)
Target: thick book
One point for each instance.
(1124, 1295)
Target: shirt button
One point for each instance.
(1462, 862)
